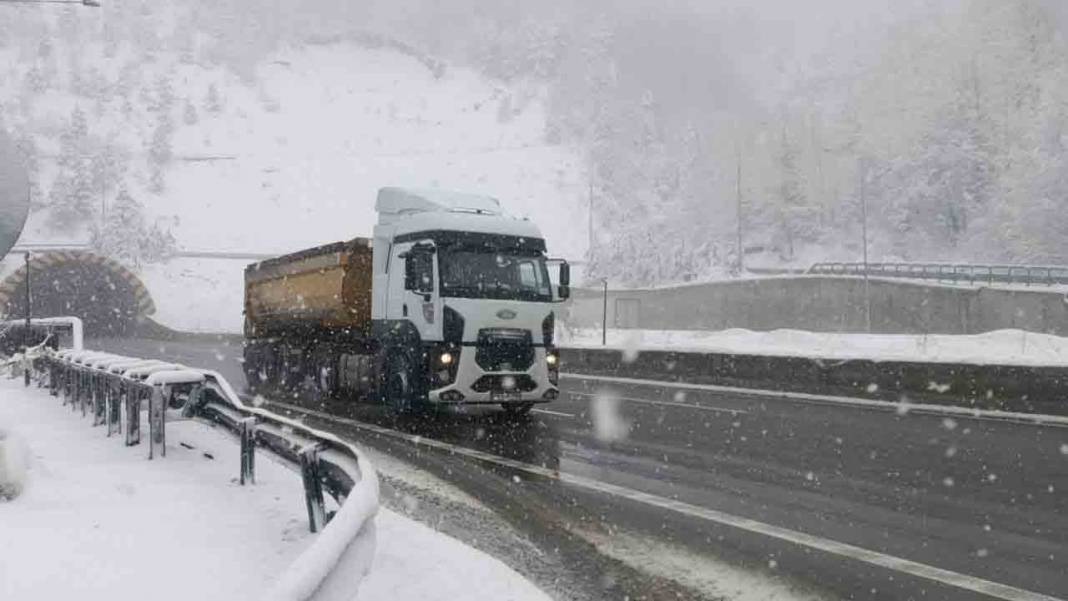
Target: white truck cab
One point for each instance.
(469, 286)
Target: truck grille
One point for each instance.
(504, 350)
(520, 383)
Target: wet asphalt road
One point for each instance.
(980, 498)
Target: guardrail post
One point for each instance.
(157, 428)
(100, 399)
(248, 450)
(75, 381)
(133, 416)
(113, 410)
(313, 487)
(53, 376)
(87, 395)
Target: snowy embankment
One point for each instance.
(98, 520)
(1003, 347)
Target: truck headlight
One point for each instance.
(446, 358)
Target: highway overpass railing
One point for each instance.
(1027, 275)
(114, 389)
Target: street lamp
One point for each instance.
(89, 3)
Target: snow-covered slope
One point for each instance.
(292, 157)
(327, 126)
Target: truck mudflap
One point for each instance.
(476, 385)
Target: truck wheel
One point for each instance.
(326, 379)
(399, 386)
(517, 409)
(405, 392)
(252, 369)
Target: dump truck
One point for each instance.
(451, 302)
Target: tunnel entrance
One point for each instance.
(110, 299)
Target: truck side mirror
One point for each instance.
(564, 290)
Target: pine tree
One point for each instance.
(124, 235)
(189, 114)
(72, 198)
(212, 100)
(159, 148)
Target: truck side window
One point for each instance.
(419, 272)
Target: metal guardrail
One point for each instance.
(1028, 275)
(13, 334)
(113, 389)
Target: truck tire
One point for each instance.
(252, 368)
(403, 393)
(325, 372)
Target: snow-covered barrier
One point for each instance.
(42, 330)
(13, 459)
(113, 389)
(1013, 388)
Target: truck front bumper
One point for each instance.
(474, 385)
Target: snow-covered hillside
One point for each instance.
(327, 126)
(289, 158)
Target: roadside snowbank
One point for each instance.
(13, 465)
(1003, 347)
(99, 521)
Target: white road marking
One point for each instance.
(922, 408)
(548, 412)
(667, 403)
(996, 590)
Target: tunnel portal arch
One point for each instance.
(106, 295)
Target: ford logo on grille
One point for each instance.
(506, 314)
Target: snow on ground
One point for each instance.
(198, 295)
(97, 520)
(1003, 347)
(415, 562)
(342, 121)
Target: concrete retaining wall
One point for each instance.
(1037, 390)
(824, 304)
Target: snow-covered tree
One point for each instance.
(124, 234)
(213, 100)
(189, 114)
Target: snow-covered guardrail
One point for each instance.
(114, 388)
(44, 329)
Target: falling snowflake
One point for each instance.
(608, 422)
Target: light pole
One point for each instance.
(29, 322)
(604, 315)
(864, 242)
(89, 3)
(740, 259)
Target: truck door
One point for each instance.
(414, 287)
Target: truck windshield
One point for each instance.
(498, 274)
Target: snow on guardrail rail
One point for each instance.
(113, 388)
